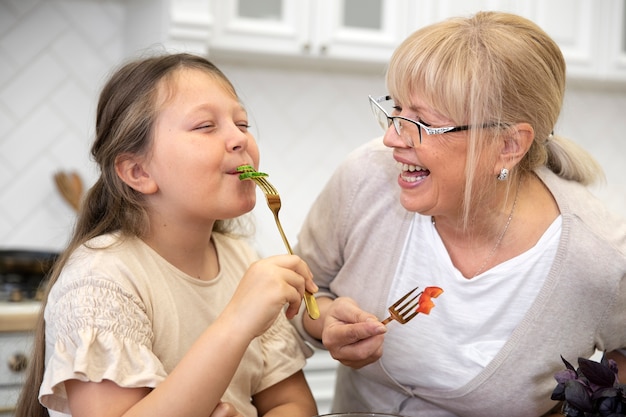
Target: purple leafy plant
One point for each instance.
(592, 390)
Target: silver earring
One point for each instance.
(504, 173)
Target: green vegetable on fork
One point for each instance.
(273, 202)
(248, 172)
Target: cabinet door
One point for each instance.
(359, 30)
(422, 13)
(262, 26)
(351, 30)
(179, 25)
(578, 28)
(616, 60)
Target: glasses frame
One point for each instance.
(378, 111)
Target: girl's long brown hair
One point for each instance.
(126, 112)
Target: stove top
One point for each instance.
(23, 274)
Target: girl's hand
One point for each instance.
(265, 289)
(351, 335)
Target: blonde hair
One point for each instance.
(496, 68)
(126, 113)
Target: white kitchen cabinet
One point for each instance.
(174, 25)
(355, 32)
(574, 24)
(616, 55)
(15, 348)
(590, 33)
(422, 13)
(580, 29)
(348, 30)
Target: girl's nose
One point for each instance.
(237, 140)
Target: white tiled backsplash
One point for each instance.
(55, 55)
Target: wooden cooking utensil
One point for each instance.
(70, 185)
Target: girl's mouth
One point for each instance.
(412, 173)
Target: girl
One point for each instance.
(156, 308)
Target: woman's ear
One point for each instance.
(515, 144)
(131, 170)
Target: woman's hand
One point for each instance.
(351, 335)
(269, 285)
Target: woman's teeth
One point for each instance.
(412, 173)
(410, 168)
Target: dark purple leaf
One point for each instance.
(605, 393)
(558, 394)
(565, 375)
(577, 395)
(607, 405)
(571, 411)
(567, 364)
(597, 373)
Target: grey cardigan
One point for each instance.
(352, 239)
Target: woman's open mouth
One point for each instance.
(412, 173)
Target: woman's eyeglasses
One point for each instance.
(407, 128)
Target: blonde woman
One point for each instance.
(472, 191)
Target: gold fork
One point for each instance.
(274, 203)
(403, 311)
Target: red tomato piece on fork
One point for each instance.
(425, 304)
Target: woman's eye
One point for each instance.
(423, 122)
(398, 109)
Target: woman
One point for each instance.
(493, 209)
(156, 308)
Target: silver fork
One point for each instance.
(403, 311)
(274, 203)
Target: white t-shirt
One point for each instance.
(125, 314)
(449, 347)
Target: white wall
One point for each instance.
(54, 56)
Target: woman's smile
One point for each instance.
(412, 173)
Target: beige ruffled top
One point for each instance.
(121, 312)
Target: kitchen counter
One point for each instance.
(17, 317)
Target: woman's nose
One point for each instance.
(391, 139)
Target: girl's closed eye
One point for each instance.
(202, 126)
(243, 126)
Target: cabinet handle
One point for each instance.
(323, 49)
(306, 48)
(18, 362)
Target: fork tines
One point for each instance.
(403, 311)
(265, 185)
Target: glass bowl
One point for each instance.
(359, 414)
